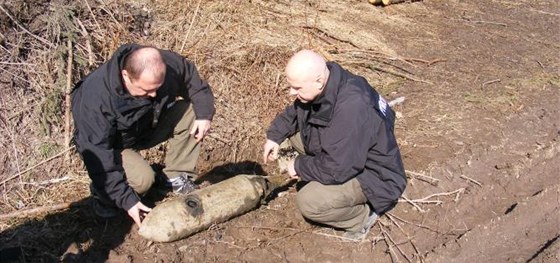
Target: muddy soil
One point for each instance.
(479, 132)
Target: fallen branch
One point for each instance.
(413, 204)
(34, 166)
(426, 200)
(428, 179)
(48, 182)
(43, 209)
(490, 82)
(427, 62)
(330, 36)
(190, 27)
(471, 180)
(85, 33)
(67, 99)
(457, 192)
(414, 224)
(394, 257)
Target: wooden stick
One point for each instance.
(85, 33)
(190, 26)
(34, 166)
(414, 224)
(44, 41)
(413, 204)
(93, 15)
(43, 209)
(67, 99)
(428, 179)
(470, 179)
(490, 82)
(372, 67)
(458, 191)
(331, 36)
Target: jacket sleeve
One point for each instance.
(344, 148)
(284, 125)
(198, 91)
(94, 140)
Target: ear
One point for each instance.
(125, 75)
(319, 83)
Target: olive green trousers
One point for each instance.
(182, 148)
(342, 206)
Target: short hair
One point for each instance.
(146, 58)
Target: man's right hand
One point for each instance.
(135, 212)
(270, 151)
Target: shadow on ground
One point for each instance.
(73, 235)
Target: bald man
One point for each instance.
(343, 128)
(141, 97)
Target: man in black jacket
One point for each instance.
(344, 129)
(131, 103)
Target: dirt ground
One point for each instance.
(479, 128)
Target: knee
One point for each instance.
(142, 184)
(311, 205)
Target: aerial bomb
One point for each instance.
(185, 215)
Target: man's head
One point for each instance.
(307, 74)
(143, 72)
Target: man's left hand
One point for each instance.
(292, 169)
(200, 129)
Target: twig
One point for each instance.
(490, 82)
(190, 26)
(44, 41)
(470, 179)
(18, 77)
(394, 257)
(34, 166)
(43, 209)
(47, 182)
(220, 139)
(391, 217)
(111, 14)
(93, 16)
(484, 22)
(372, 67)
(22, 63)
(428, 179)
(91, 60)
(67, 99)
(427, 62)
(330, 36)
(413, 204)
(394, 243)
(414, 224)
(458, 191)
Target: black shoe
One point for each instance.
(182, 184)
(102, 208)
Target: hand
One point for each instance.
(136, 211)
(270, 151)
(292, 169)
(200, 129)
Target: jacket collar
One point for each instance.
(115, 66)
(323, 106)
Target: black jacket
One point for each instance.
(108, 119)
(347, 132)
